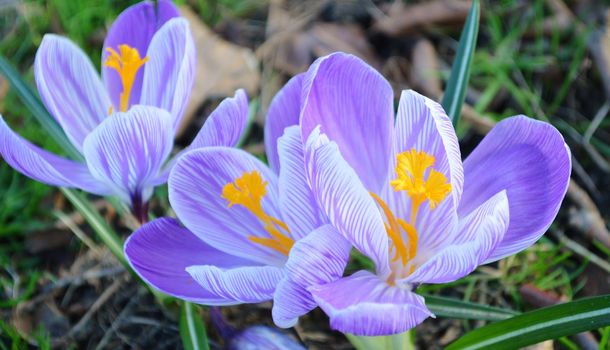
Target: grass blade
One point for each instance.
(536, 326)
(452, 308)
(455, 91)
(192, 329)
(32, 102)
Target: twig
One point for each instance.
(103, 298)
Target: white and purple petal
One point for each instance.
(127, 150)
(290, 301)
(466, 247)
(530, 160)
(345, 201)
(195, 189)
(46, 167)
(135, 26)
(284, 111)
(364, 304)
(170, 72)
(70, 87)
(297, 201)
(247, 284)
(161, 250)
(225, 124)
(353, 105)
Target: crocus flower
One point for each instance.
(245, 226)
(148, 60)
(398, 190)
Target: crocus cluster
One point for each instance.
(344, 171)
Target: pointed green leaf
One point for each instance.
(455, 90)
(539, 325)
(192, 329)
(452, 308)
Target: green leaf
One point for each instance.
(192, 329)
(452, 308)
(32, 102)
(536, 326)
(455, 91)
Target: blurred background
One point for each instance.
(548, 59)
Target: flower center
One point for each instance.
(126, 62)
(411, 167)
(248, 191)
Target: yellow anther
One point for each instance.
(126, 62)
(248, 191)
(411, 170)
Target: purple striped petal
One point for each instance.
(170, 71)
(128, 149)
(353, 104)
(262, 337)
(225, 124)
(468, 246)
(528, 159)
(248, 284)
(284, 111)
(363, 304)
(290, 301)
(298, 204)
(135, 26)
(195, 188)
(161, 250)
(70, 87)
(318, 258)
(45, 167)
(345, 201)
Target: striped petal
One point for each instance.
(70, 87)
(530, 160)
(363, 304)
(46, 167)
(170, 71)
(127, 150)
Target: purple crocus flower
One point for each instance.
(246, 225)
(399, 192)
(148, 60)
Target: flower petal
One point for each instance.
(345, 201)
(318, 258)
(353, 104)
(128, 149)
(45, 167)
(363, 304)
(225, 124)
(170, 71)
(195, 189)
(135, 26)
(284, 111)
(290, 301)
(161, 250)
(248, 284)
(70, 87)
(297, 202)
(528, 159)
(470, 244)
